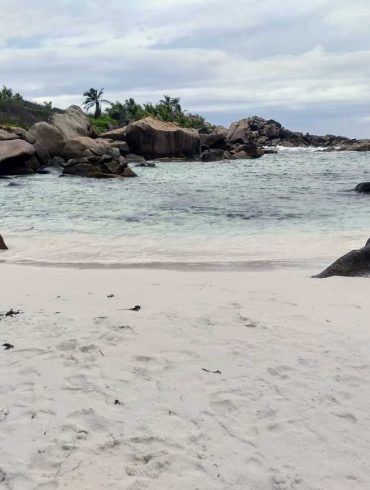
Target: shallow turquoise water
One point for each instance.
(293, 206)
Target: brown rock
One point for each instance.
(6, 135)
(15, 156)
(72, 123)
(85, 147)
(155, 139)
(49, 141)
(122, 146)
(213, 140)
(116, 134)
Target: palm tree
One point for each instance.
(94, 98)
(6, 93)
(171, 105)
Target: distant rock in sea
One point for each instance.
(364, 187)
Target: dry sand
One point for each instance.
(289, 408)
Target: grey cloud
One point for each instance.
(306, 63)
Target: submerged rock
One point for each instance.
(355, 263)
(2, 244)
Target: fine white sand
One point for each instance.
(290, 409)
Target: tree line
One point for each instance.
(167, 109)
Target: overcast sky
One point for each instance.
(304, 63)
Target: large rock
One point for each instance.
(16, 157)
(155, 139)
(72, 123)
(115, 135)
(49, 141)
(86, 147)
(2, 244)
(355, 263)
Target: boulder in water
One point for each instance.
(364, 187)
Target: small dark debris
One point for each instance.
(8, 346)
(135, 308)
(117, 402)
(110, 296)
(211, 372)
(12, 313)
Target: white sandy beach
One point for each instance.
(290, 409)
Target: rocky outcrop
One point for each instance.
(354, 145)
(355, 263)
(156, 139)
(72, 123)
(16, 157)
(264, 132)
(2, 244)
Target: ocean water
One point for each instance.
(296, 208)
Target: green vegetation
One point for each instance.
(120, 114)
(168, 109)
(15, 111)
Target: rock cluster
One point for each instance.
(64, 142)
(68, 141)
(271, 133)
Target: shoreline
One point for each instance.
(200, 266)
